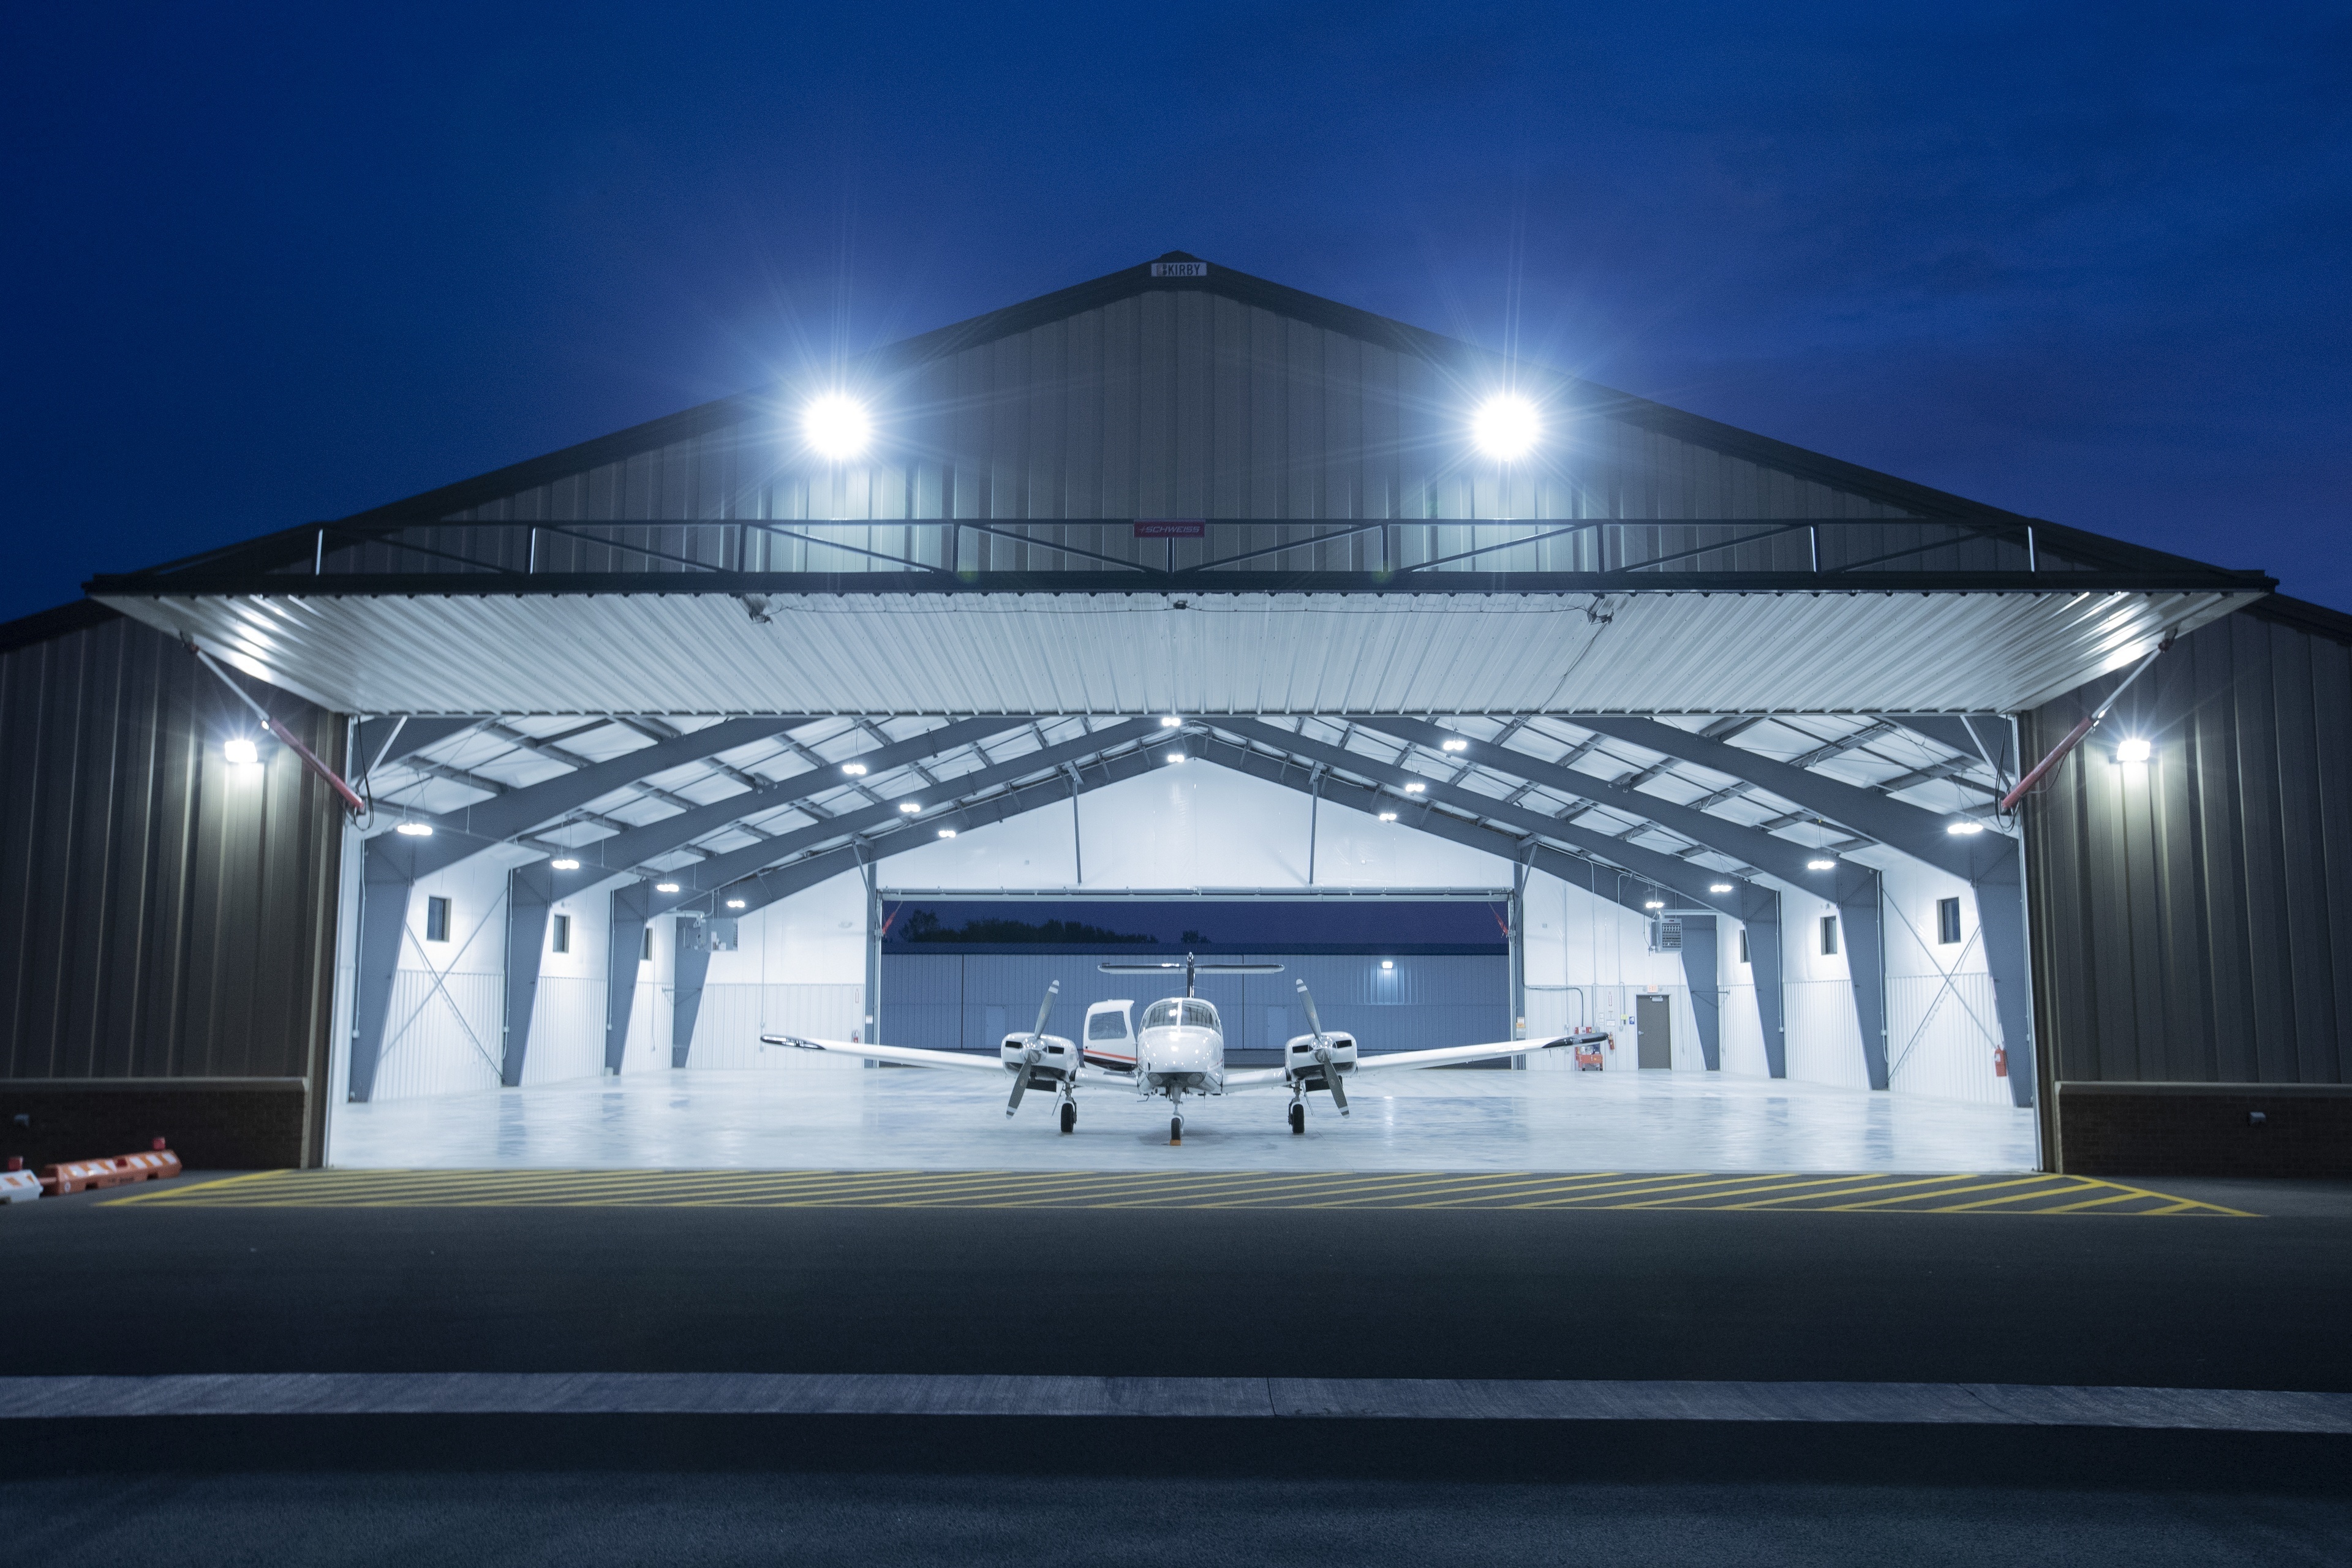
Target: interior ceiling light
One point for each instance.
(1821, 865)
(1962, 829)
(1506, 427)
(947, 833)
(566, 863)
(241, 751)
(1169, 722)
(1653, 903)
(837, 426)
(1719, 887)
(1388, 816)
(855, 769)
(909, 807)
(1414, 788)
(2131, 750)
(664, 886)
(414, 830)
(1175, 757)
(734, 903)
(1454, 746)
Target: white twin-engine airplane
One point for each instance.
(1179, 1050)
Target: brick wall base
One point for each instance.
(216, 1124)
(2205, 1129)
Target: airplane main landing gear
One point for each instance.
(1297, 1119)
(1069, 1117)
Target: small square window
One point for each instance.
(1828, 936)
(645, 953)
(1743, 946)
(436, 919)
(558, 938)
(1948, 921)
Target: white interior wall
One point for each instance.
(798, 967)
(441, 1033)
(1941, 1030)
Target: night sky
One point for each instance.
(264, 267)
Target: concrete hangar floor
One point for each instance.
(1446, 1120)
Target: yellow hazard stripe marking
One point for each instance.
(1518, 1191)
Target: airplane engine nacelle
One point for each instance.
(1301, 1065)
(1057, 1058)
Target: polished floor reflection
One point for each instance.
(1428, 1120)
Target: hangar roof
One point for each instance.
(1180, 486)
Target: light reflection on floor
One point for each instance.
(1417, 1121)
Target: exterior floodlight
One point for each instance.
(1174, 758)
(1388, 964)
(734, 903)
(1414, 788)
(414, 830)
(241, 751)
(1963, 829)
(1653, 903)
(1454, 746)
(1388, 816)
(837, 426)
(1821, 865)
(947, 833)
(664, 886)
(2131, 750)
(1169, 722)
(1719, 887)
(566, 863)
(1506, 427)
(855, 769)
(909, 807)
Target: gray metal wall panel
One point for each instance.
(2191, 922)
(161, 915)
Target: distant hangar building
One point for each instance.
(649, 733)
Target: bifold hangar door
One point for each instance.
(967, 1001)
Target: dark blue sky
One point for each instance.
(270, 266)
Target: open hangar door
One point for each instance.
(640, 993)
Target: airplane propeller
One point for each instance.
(1323, 1050)
(1036, 1048)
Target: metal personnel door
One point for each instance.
(1654, 1023)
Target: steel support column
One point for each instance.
(530, 893)
(625, 941)
(1704, 980)
(384, 884)
(1862, 918)
(692, 961)
(1760, 914)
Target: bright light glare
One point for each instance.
(1388, 816)
(855, 769)
(837, 426)
(1962, 829)
(1169, 722)
(1454, 746)
(414, 830)
(909, 807)
(567, 864)
(1653, 903)
(2131, 750)
(664, 886)
(241, 751)
(1506, 427)
(947, 833)
(1719, 887)
(1414, 788)
(1388, 964)
(1821, 865)
(734, 903)
(1175, 757)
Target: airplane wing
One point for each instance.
(1258, 1077)
(904, 1056)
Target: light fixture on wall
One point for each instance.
(1174, 758)
(414, 830)
(664, 886)
(1387, 963)
(2135, 750)
(241, 751)
(1506, 427)
(837, 426)
(566, 863)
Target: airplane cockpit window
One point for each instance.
(1199, 1015)
(1159, 1016)
(1110, 1025)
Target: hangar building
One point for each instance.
(1181, 584)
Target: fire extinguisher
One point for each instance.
(2001, 1061)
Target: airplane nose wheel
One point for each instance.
(1069, 1117)
(1297, 1118)
(1175, 1129)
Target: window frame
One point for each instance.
(1830, 943)
(1948, 921)
(437, 918)
(558, 934)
